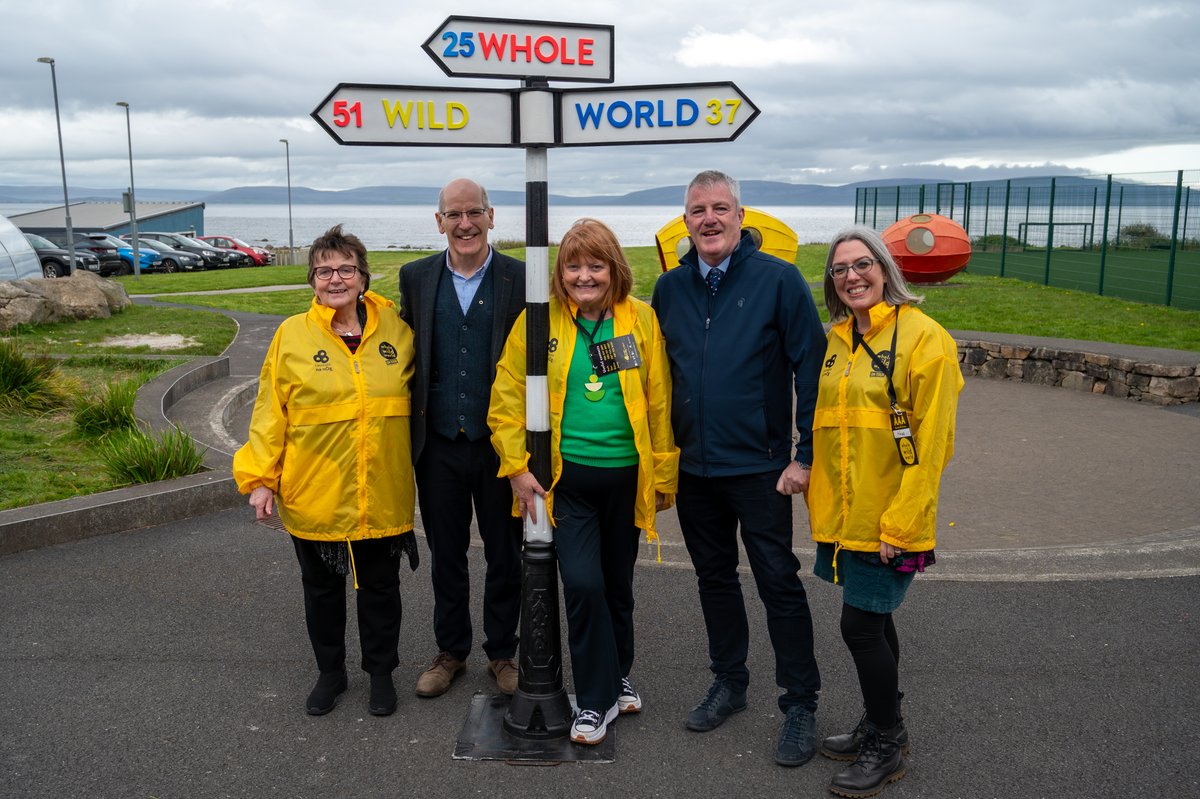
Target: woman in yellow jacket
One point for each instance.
(329, 439)
(882, 434)
(613, 456)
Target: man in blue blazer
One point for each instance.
(461, 304)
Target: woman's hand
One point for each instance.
(887, 551)
(525, 486)
(262, 499)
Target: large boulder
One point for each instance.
(39, 301)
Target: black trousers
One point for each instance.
(710, 511)
(378, 599)
(597, 545)
(450, 476)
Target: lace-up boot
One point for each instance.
(879, 762)
(845, 746)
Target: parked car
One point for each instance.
(214, 258)
(173, 260)
(260, 256)
(108, 255)
(56, 261)
(148, 259)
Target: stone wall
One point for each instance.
(1083, 371)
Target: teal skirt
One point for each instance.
(866, 585)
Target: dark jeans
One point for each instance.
(710, 511)
(450, 475)
(871, 639)
(378, 598)
(597, 546)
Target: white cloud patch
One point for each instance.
(749, 49)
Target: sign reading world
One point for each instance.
(482, 47)
(654, 114)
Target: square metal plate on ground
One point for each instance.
(483, 737)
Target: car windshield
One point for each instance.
(38, 243)
(239, 242)
(149, 244)
(196, 242)
(111, 241)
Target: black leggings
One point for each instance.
(871, 639)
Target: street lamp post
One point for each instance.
(287, 154)
(137, 264)
(61, 160)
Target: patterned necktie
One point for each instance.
(713, 279)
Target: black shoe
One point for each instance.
(325, 693)
(383, 695)
(879, 762)
(845, 746)
(722, 702)
(797, 737)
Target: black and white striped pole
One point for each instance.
(540, 707)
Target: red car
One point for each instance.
(261, 257)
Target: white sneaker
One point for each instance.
(629, 701)
(591, 727)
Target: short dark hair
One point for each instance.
(895, 288)
(334, 240)
(592, 238)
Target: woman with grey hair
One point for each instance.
(883, 432)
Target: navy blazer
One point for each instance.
(418, 294)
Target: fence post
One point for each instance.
(967, 208)
(1104, 235)
(1091, 239)
(1004, 232)
(1049, 233)
(897, 203)
(1120, 210)
(875, 208)
(1174, 236)
(921, 200)
(987, 209)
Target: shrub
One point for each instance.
(28, 383)
(994, 241)
(1143, 236)
(111, 412)
(138, 457)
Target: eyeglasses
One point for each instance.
(326, 272)
(475, 214)
(861, 267)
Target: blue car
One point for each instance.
(148, 259)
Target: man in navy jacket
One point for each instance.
(744, 339)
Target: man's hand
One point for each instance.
(262, 499)
(794, 480)
(525, 486)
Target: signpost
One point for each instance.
(534, 117)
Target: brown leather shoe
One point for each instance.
(505, 672)
(436, 679)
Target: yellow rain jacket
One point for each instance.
(647, 393)
(859, 493)
(330, 430)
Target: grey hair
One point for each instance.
(483, 198)
(711, 177)
(895, 288)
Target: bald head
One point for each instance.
(465, 217)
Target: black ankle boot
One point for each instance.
(879, 762)
(325, 693)
(845, 746)
(383, 695)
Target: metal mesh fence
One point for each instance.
(1131, 236)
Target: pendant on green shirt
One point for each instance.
(593, 389)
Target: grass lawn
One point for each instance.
(202, 333)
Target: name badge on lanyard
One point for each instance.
(906, 445)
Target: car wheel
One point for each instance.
(52, 270)
(169, 265)
(126, 269)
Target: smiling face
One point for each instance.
(714, 221)
(465, 219)
(337, 292)
(587, 282)
(860, 293)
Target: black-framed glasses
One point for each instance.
(326, 272)
(475, 214)
(861, 267)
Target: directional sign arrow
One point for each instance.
(665, 114)
(374, 114)
(484, 47)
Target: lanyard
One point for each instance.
(591, 337)
(885, 368)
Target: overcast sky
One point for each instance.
(849, 90)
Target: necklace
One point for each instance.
(341, 332)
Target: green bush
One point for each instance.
(28, 383)
(1143, 236)
(137, 457)
(994, 241)
(111, 412)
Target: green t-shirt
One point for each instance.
(595, 424)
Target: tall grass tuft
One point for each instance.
(28, 383)
(109, 413)
(137, 457)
